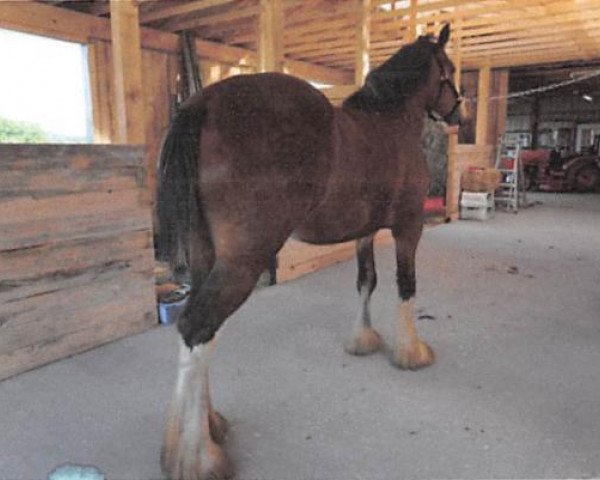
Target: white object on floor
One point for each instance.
(71, 471)
(477, 205)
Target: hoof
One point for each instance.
(418, 356)
(364, 342)
(211, 464)
(219, 427)
(217, 466)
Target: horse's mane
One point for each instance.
(388, 86)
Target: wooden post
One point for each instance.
(483, 93)
(535, 121)
(412, 22)
(363, 41)
(127, 64)
(501, 102)
(100, 64)
(270, 40)
(270, 59)
(453, 173)
(212, 72)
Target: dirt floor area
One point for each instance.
(511, 307)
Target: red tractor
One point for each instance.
(550, 170)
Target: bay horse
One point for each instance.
(255, 159)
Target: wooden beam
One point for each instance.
(319, 28)
(99, 64)
(590, 47)
(127, 64)
(412, 22)
(363, 34)
(339, 52)
(507, 32)
(483, 93)
(247, 58)
(177, 25)
(64, 24)
(318, 73)
(521, 58)
(338, 41)
(270, 31)
(501, 91)
(181, 9)
(486, 13)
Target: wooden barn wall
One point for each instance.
(159, 78)
(479, 156)
(76, 252)
(159, 73)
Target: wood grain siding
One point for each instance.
(479, 156)
(76, 254)
(159, 73)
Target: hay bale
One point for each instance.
(435, 145)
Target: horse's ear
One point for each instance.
(444, 36)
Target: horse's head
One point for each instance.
(419, 71)
(443, 98)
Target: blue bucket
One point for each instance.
(168, 313)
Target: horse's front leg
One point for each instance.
(409, 351)
(364, 339)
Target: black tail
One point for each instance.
(178, 198)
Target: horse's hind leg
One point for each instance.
(195, 430)
(191, 448)
(409, 352)
(364, 339)
(193, 426)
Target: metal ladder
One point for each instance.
(511, 192)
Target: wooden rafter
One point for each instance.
(222, 18)
(169, 10)
(509, 32)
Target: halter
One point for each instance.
(444, 80)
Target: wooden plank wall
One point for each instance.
(159, 73)
(467, 155)
(297, 259)
(76, 253)
(159, 80)
(481, 156)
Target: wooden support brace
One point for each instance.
(483, 93)
(363, 35)
(412, 22)
(270, 41)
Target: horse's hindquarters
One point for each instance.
(265, 156)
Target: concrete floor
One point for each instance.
(515, 392)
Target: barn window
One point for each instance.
(44, 90)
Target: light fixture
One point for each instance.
(587, 98)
